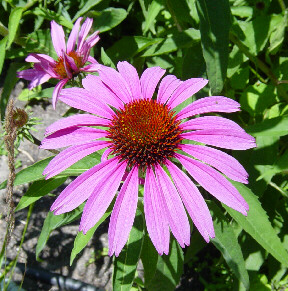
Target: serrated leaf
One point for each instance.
(168, 270)
(183, 39)
(108, 18)
(3, 43)
(257, 224)
(270, 127)
(126, 263)
(14, 20)
(215, 40)
(54, 221)
(153, 10)
(226, 242)
(37, 190)
(87, 7)
(82, 240)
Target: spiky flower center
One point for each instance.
(145, 133)
(60, 66)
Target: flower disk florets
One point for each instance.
(145, 133)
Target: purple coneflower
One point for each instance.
(146, 140)
(70, 61)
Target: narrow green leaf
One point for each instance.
(37, 190)
(14, 20)
(108, 18)
(82, 240)
(126, 263)
(154, 8)
(226, 242)
(3, 42)
(54, 221)
(215, 39)
(258, 225)
(270, 127)
(106, 59)
(87, 7)
(168, 270)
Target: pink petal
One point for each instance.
(174, 208)
(116, 83)
(213, 182)
(149, 81)
(57, 90)
(102, 196)
(92, 60)
(98, 89)
(82, 99)
(36, 77)
(219, 160)
(130, 75)
(58, 38)
(93, 39)
(32, 59)
(123, 214)
(193, 201)
(76, 120)
(86, 26)
(82, 187)
(44, 65)
(209, 104)
(70, 63)
(228, 139)
(91, 68)
(71, 136)
(156, 220)
(72, 155)
(73, 35)
(38, 81)
(105, 155)
(167, 87)
(185, 90)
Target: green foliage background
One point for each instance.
(241, 46)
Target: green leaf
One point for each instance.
(35, 93)
(106, 59)
(149, 258)
(226, 242)
(87, 7)
(37, 190)
(54, 221)
(3, 42)
(257, 224)
(168, 270)
(184, 39)
(154, 8)
(270, 127)
(82, 240)
(108, 18)
(215, 39)
(126, 263)
(14, 20)
(51, 15)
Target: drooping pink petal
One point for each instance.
(57, 90)
(45, 65)
(105, 155)
(36, 77)
(90, 68)
(219, 160)
(123, 214)
(167, 87)
(93, 39)
(85, 28)
(76, 120)
(173, 206)
(102, 196)
(130, 75)
(31, 58)
(213, 182)
(209, 104)
(95, 86)
(193, 201)
(82, 187)
(92, 60)
(210, 122)
(58, 38)
(70, 156)
(185, 90)
(116, 83)
(228, 139)
(149, 81)
(83, 100)
(70, 64)
(156, 220)
(71, 136)
(73, 35)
